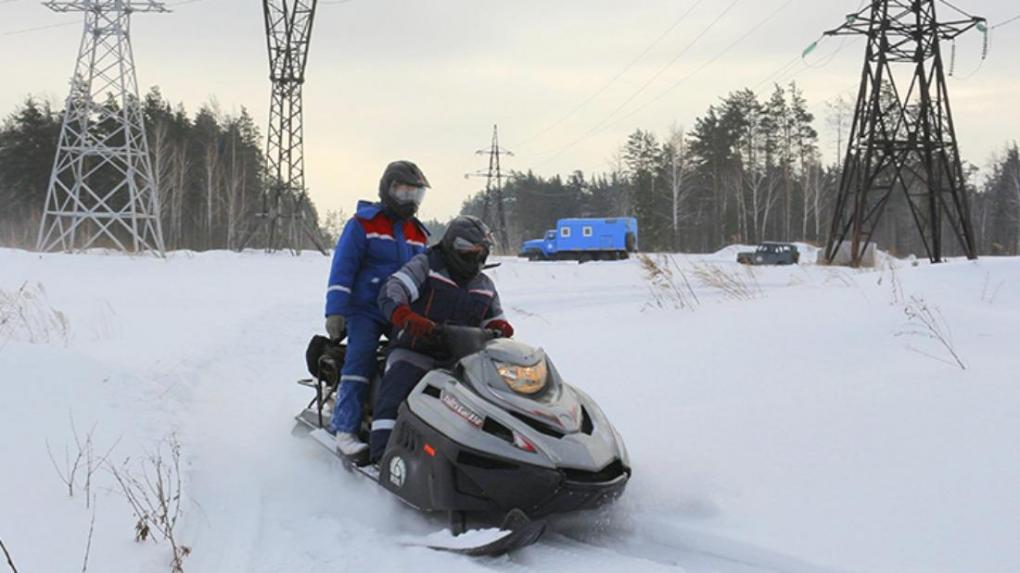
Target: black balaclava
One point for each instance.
(466, 246)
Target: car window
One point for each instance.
(565, 232)
(586, 231)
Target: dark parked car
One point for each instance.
(771, 254)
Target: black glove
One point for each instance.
(336, 327)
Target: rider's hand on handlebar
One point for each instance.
(503, 327)
(406, 319)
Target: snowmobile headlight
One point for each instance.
(524, 379)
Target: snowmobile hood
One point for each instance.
(555, 408)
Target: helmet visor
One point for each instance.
(466, 247)
(407, 194)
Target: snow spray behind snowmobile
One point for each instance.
(496, 431)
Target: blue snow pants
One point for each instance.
(404, 369)
(360, 365)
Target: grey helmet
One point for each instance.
(466, 245)
(404, 205)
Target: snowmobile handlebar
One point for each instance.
(461, 341)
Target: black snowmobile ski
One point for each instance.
(516, 532)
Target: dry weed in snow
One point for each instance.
(25, 316)
(7, 555)
(668, 282)
(895, 287)
(739, 284)
(987, 295)
(85, 460)
(926, 321)
(152, 487)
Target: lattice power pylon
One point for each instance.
(101, 190)
(494, 186)
(285, 207)
(903, 139)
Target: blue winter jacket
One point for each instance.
(373, 246)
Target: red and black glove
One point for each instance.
(504, 327)
(406, 319)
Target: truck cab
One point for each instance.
(585, 239)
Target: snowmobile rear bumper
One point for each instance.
(434, 473)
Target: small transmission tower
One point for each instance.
(285, 208)
(902, 139)
(102, 187)
(494, 175)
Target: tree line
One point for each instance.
(209, 170)
(748, 170)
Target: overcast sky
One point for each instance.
(426, 81)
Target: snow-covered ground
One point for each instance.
(793, 419)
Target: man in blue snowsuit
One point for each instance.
(445, 285)
(375, 243)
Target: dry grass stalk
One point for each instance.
(86, 453)
(895, 286)
(88, 543)
(926, 321)
(989, 297)
(152, 488)
(668, 282)
(740, 284)
(26, 316)
(7, 554)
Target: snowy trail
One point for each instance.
(797, 431)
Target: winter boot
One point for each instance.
(350, 447)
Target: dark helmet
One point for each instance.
(404, 205)
(466, 245)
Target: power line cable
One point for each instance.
(39, 28)
(1010, 21)
(785, 68)
(958, 9)
(613, 79)
(669, 64)
(605, 124)
(65, 24)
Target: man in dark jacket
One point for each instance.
(443, 286)
(378, 240)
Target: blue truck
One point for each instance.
(585, 240)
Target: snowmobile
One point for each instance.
(494, 432)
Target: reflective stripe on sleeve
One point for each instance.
(339, 288)
(408, 282)
(353, 378)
